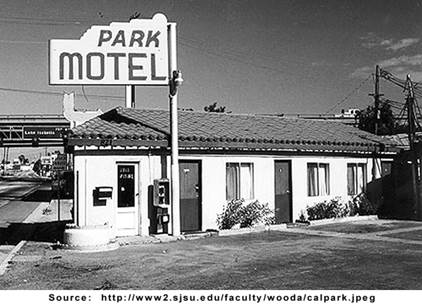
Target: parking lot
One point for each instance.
(373, 254)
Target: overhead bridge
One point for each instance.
(33, 130)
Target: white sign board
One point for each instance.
(122, 53)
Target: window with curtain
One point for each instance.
(356, 178)
(239, 181)
(318, 179)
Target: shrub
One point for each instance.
(256, 213)
(246, 216)
(230, 215)
(336, 207)
(365, 206)
(331, 209)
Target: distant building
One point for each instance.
(348, 117)
(350, 113)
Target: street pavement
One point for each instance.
(14, 207)
(16, 189)
(25, 202)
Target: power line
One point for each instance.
(247, 62)
(24, 42)
(51, 93)
(83, 91)
(42, 21)
(350, 94)
(237, 56)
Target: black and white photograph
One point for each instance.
(236, 151)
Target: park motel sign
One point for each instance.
(122, 53)
(141, 52)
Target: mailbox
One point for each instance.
(161, 193)
(102, 195)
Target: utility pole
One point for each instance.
(130, 96)
(174, 82)
(410, 101)
(4, 161)
(130, 89)
(376, 96)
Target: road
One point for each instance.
(18, 199)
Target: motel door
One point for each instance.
(283, 189)
(190, 195)
(127, 211)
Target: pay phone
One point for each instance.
(161, 193)
(161, 202)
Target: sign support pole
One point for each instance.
(58, 196)
(175, 206)
(130, 96)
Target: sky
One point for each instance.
(252, 56)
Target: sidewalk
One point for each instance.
(37, 213)
(48, 212)
(16, 211)
(372, 236)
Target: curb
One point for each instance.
(90, 249)
(227, 232)
(343, 220)
(287, 226)
(5, 263)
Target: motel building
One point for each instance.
(135, 176)
(122, 167)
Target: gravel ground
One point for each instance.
(267, 260)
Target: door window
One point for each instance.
(126, 186)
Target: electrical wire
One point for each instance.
(350, 94)
(24, 42)
(16, 90)
(42, 21)
(83, 91)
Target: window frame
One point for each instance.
(317, 187)
(238, 194)
(355, 167)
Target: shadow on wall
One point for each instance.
(40, 232)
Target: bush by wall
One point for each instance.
(327, 209)
(337, 207)
(236, 213)
(230, 215)
(365, 206)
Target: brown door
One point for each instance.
(283, 189)
(190, 195)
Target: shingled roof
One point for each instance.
(124, 126)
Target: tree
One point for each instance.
(386, 124)
(214, 108)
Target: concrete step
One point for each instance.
(199, 234)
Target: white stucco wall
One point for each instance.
(97, 171)
(338, 179)
(214, 181)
